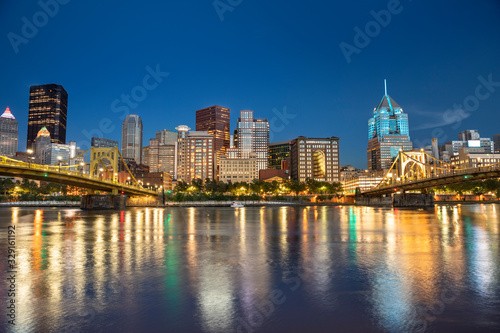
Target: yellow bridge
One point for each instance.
(418, 171)
(100, 159)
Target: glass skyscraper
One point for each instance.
(252, 136)
(48, 106)
(278, 152)
(132, 138)
(388, 133)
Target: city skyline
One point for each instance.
(272, 66)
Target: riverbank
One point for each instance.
(40, 204)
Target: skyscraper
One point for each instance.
(196, 155)
(388, 133)
(278, 152)
(496, 140)
(316, 158)
(132, 138)
(253, 137)
(8, 134)
(42, 146)
(160, 155)
(215, 120)
(48, 106)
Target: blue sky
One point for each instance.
(281, 59)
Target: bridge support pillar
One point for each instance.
(92, 201)
(413, 200)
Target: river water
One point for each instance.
(279, 269)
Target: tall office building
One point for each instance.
(196, 156)
(48, 106)
(8, 134)
(278, 152)
(132, 138)
(166, 137)
(42, 145)
(388, 133)
(496, 142)
(161, 153)
(316, 158)
(215, 120)
(253, 137)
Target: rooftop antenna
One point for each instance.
(385, 85)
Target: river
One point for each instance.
(252, 269)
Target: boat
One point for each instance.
(236, 204)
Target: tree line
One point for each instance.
(476, 187)
(288, 186)
(29, 190)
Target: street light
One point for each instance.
(59, 158)
(82, 164)
(29, 151)
(100, 173)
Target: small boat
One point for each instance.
(236, 204)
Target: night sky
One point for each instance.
(282, 59)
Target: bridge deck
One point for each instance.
(56, 174)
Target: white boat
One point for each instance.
(236, 204)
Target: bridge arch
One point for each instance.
(103, 157)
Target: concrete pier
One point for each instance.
(413, 200)
(93, 201)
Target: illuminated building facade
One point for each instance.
(160, 155)
(252, 136)
(278, 152)
(48, 106)
(472, 141)
(388, 133)
(215, 121)
(42, 145)
(132, 138)
(8, 134)
(316, 158)
(196, 156)
(363, 180)
(238, 169)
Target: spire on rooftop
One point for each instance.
(7, 114)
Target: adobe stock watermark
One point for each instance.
(30, 28)
(279, 122)
(293, 280)
(127, 102)
(223, 6)
(427, 314)
(460, 112)
(85, 316)
(372, 29)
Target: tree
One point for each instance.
(295, 186)
(181, 186)
(6, 185)
(29, 186)
(312, 185)
(211, 185)
(197, 184)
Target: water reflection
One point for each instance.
(217, 269)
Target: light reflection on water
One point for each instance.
(222, 269)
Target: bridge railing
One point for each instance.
(62, 170)
(441, 174)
